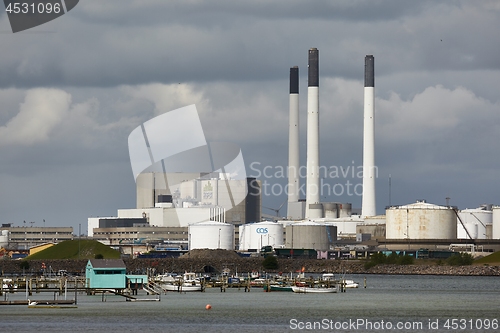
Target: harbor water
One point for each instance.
(398, 303)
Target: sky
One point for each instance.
(73, 89)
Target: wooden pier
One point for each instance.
(57, 285)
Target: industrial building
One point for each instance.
(212, 210)
(241, 199)
(174, 236)
(25, 237)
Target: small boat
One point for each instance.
(9, 285)
(350, 283)
(233, 280)
(321, 290)
(347, 283)
(188, 282)
(165, 278)
(258, 282)
(275, 287)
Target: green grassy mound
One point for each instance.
(77, 249)
(493, 258)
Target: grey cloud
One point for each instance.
(124, 62)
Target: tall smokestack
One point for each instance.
(313, 207)
(293, 143)
(369, 170)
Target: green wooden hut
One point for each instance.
(106, 274)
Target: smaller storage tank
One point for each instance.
(310, 235)
(211, 235)
(253, 236)
(4, 238)
(476, 221)
(496, 223)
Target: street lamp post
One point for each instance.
(218, 246)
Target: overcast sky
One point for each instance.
(73, 89)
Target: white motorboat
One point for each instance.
(187, 282)
(165, 278)
(321, 290)
(8, 284)
(347, 283)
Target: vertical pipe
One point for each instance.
(368, 207)
(293, 143)
(312, 188)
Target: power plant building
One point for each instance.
(241, 199)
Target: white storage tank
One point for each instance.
(495, 233)
(253, 236)
(310, 235)
(4, 238)
(211, 235)
(476, 221)
(421, 220)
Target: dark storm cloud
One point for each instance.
(85, 80)
(127, 42)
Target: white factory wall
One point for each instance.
(154, 216)
(170, 217)
(93, 222)
(149, 185)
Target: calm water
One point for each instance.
(414, 301)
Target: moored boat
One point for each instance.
(188, 282)
(275, 287)
(297, 289)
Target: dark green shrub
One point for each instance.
(460, 259)
(406, 260)
(270, 262)
(24, 264)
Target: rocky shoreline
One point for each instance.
(243, 265)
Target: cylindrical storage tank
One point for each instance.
(345, 210)
(4, 238)
(495, 233)
(421, 220)
(476, 222)
(253, 236)
(211, 235)
(310, 235)
(330, 210)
